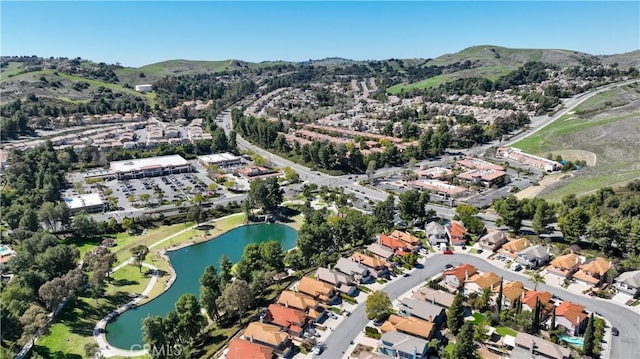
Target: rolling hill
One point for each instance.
(491, 62)
(487, 61)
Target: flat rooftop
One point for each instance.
(84, 200)
(219, 157)
(147, 163)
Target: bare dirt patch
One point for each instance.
(547, 182)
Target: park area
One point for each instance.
(72, 331)
(604, 131)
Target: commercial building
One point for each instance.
(222, 160)
(150, 167)
(527, 159)
(440, 189)
(87, 202)
(485, 177)
(473, 163)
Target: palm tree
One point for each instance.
(536, 278)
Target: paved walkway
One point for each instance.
(99, 330)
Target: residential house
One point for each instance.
(435, 296)
(455, 277)
(423, 310)
(292, 321)
(408, 325)
(399, 247)
(456, 233)
(270, 336)
(243, 349)
(303, 302)
(343, 282)
(533, 257)
(359, 272)
(407, 238)
(321, 291)
(593, 271)
(493, 240)
(510, 292)
(629, 282)
(512, 248)
(436, 233)
(529, 300)
(572, 317)
(528, 346)
(400, 345)
(377, 267)
(380, 251)
(480, 282)
(564, 266)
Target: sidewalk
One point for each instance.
(99, 330)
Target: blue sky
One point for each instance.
(139, 33)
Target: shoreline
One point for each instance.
(162, 255)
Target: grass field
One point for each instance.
(502, 331)
(605, 126)
(74, 327)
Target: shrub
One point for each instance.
(348, 298)
(372, 332)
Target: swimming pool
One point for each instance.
(4, 249)
(573, 340)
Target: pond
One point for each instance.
(189, 264)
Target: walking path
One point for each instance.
(99, 330)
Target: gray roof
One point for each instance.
(542, 346)
(493, 237)
(332, 276)
(440, 297)
(630, 278)
(421, 309)
(534, 252)
(380, 250)
(405, 343)
(346, 265)
(435, 228)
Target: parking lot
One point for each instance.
(162, 190)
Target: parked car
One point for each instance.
(448, 266)
(614, 331)
(448, 251)
(317, 350)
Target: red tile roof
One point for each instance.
(392, 242)
(529, 298)
(242, 349)
(462, 271)
(457, 231)
(286, 317)
(572, 312)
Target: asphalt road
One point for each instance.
(624, 346)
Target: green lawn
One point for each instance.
(424, 84)
(129, 279)
(74, 326)
(566, 125)
(589, 184)
(585, 134)
(502, 331)
(477, 318)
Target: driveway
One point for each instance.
(627, 321)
